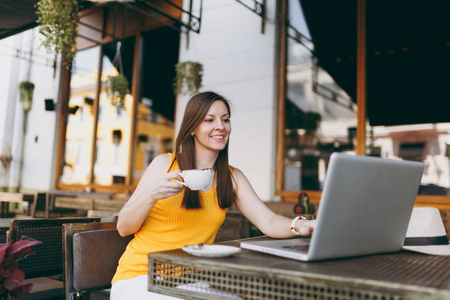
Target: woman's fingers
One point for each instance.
(307, 227)
(169, 186)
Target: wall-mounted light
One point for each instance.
(49, 105)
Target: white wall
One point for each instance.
(40, 134)
(239, 63)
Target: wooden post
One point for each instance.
(281, 93)
(361, 91)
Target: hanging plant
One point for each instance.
(58, 21)
(189, 77)
(117, 89)
(26, 90)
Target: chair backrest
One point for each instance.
(11, 197)
(235, 226)
(445, 214)
(4, 227)
(91, 255)
(47, 259)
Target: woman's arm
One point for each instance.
(260, 215)
(154, 185)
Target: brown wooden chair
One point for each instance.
(4, 228)
(445, 214)
(45, 267)
(91, 255)
(235, 226)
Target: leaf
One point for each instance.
(20, 248)
(19, 245)
(5, 273)
(23, 290)
(15, 281)
(9, 268)
(3, 247)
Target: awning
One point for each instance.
(16, 16)
(408, 55)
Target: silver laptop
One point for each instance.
(365, 209)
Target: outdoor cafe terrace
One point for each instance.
(73, 263)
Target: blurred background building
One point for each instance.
(289, 67)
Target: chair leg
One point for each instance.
(35, 202)
(78, 296)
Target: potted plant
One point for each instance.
(117, 89)
(11, 277)
(26, 89)
(188, 78)
(58, 21)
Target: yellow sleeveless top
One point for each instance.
(170, 226)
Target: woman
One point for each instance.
(164, 215)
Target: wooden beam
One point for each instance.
(361, 91)
(95, 113)
(281, 93)
(63, 102)
(136, 93)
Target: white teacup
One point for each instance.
(196, 179)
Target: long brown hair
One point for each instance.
(195, 112)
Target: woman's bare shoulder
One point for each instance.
(235, 172)
(161, 162)
(238, 178)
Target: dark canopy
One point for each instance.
(20, 15)
(408, 55)
(16, 16)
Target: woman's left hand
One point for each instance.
(305, 227)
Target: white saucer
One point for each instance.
(211, 250)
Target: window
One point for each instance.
(319, 116)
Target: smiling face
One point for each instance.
(214, 131)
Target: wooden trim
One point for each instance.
(117, 188)
(361, 91)
(441, 202)
(292, 196)
(281, 93)
(74, 203)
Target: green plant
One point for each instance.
(117, 88)
(11, 277)
(26, 89)
(189, 77)
(58, 21)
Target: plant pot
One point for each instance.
(189, 71)
(188, 78)
(27, 105)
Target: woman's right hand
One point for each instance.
(166, 186)
(156, 184)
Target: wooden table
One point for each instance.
(6, 198)
(50, 196)
(253, 275)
